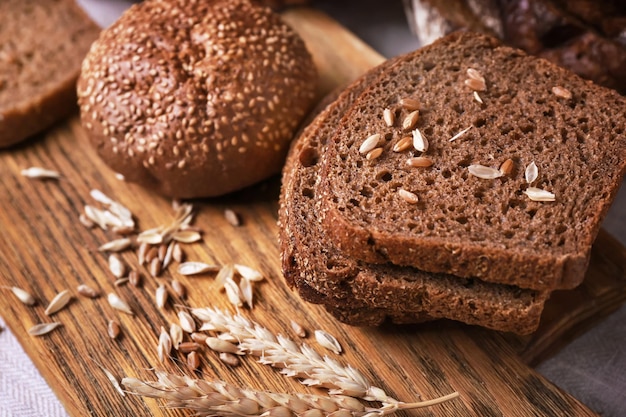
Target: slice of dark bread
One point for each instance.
(362, 294)
(42, 44)
(462, 224)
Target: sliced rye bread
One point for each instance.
(462, 224)
(42, 45)
(362, 294)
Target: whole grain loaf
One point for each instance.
(457, 199)
(42, 44)
(362, 294)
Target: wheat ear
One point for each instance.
(218, 398)
(300, 361)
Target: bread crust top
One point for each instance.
(196, 98)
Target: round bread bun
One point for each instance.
(195, 98)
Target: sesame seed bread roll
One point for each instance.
(195, 98)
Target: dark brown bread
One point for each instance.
(584, 36)
(363, 294)
(464, 225)
(196, 98)
(42, 44)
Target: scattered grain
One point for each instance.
(113, 380)
(117, 265)
(117, 245)
(476, 85)
(22, 295)
(187, 323)
(229, 359)
(232, 217)
(161, 295)
(419, 162)
(187, 236)
(486, 173)
(58, 302)
(141, 252)
(561, 92)
(328, 341)
(151, 237)
(246, 291)
(86, 221)
(461, 133)
(161, 251)
(410, 120)
(167, 259)
(96, 216)
(43, 328)
(187, 347)
(220, 345)
(232, 292)
(194, 268)
(420, 143)
(40, 173)
(537, 194)
(403, 144)
(151, 254)
(178, 288)
(113, 329)
(177, 253)
(374, 154)
(408, 196)
(155, 267)
(298, 329)
(507, 167)
(226, 273)
(193, 361)
(119, 304)
(410, 104)
(176, 334)
(248, 273)
(370, 143)
(199, 337)
(474, 74)
(531, 173)
(87, 291)
(165, 345)
(389, 117)
(134, 278)
(123, 230)
(121, 281)
(478, 98)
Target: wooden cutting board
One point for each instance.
(46, 250)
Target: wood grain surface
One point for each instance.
(45, 249)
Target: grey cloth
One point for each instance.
(593, 367)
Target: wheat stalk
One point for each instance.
(299, 361)
(218, 398)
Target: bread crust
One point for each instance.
(196, 99)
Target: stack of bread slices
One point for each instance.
(463, 181)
